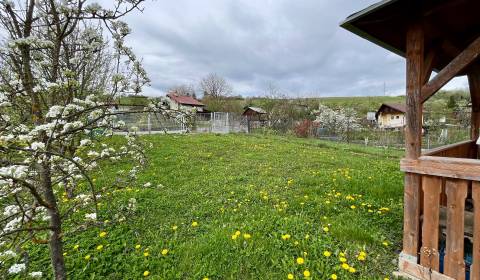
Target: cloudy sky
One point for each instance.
(297, 46)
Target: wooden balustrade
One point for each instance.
(465, 149)
(453, 179)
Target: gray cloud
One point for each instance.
(295, 45)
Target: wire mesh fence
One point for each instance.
(225, 122)
(215, 122)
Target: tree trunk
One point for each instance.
(55, 242)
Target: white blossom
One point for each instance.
(11, 210)
(91, 216)
(37, 146)
(36, 274)
(16, 268)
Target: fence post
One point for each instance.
(149, 124)
(227, 123)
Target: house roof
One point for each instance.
(185, 100)
(450, 25)
(397, 107)
(256, 109)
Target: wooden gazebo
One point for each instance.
(442, 186)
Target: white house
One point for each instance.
(391, 116)
(184, 103)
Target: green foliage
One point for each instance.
(265, 186)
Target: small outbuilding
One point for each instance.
(255, 114)
(391, 116)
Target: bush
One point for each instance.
(303, 128)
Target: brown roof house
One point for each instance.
(184, 103)
(255, 113)
(391, 116)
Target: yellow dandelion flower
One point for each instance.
(353, 206)
(343, 259)
(290, 276)
(306, 273)
(345, 266)
(352, 270)
(385, 243)
(64, 254)
(76, 247)
(237, 233)
(247, 236)
(300, 260)
(146, 254)
(334, 276)
(146, 273)
(286, 236)
(194, 224)
(99, 247)
(361, 257)
(234, 237)
(164, 252)
(327, 254)
(386, 278)
(174, 227)
(205, 278)
(138, 246)
(102, 234)
(326, 229)
(87, 257)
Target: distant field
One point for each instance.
(246, 207)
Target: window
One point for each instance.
(392, 117)
(398, 117)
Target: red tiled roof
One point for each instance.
(185, 100)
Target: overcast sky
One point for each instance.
(297, 46)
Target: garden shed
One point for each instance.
(442, 186)
(255, 113)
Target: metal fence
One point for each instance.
(215, 122)
(396, 138)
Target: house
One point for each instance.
(184, 103)
(391, 116)
(255, 114)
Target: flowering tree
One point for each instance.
(59, 81)
(339, 122)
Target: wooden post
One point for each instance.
(475, 268)
(432, 187)
(474, 83)
(413, 136)
(454, 256)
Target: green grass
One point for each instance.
(265, 186)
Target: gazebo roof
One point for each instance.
(450, 25)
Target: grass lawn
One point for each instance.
(247, 207)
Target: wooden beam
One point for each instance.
(474, 84)
(428, 66)
(458, 64)
(413, 133)
(415, 68)
(458, 168)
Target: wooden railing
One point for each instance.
(465, 149)
(446, 182)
